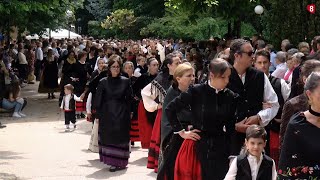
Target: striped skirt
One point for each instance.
(145, 126)
(115, 155)
(134, 131)
(154, 149)
(80, 106)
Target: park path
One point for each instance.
(37, 147)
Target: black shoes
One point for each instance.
(2, 126)
(114, 168)
(51, 96)
(82, 115)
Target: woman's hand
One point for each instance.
(190, 135)
(241, 126)
(159, 106)
(89, 115)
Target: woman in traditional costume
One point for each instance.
(112, 104)
(153, 96)
(207, 146)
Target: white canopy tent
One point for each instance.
(61, 33)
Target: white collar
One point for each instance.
(254, 158)
(217, 90)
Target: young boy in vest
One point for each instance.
(141, 68)
(253, 164)
(68, 105)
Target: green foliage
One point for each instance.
(119, 20)
(95, 30)
(178, 24)
(147, 8)
(34, 15)
(99, 8)
(289, 19)
(247, 30)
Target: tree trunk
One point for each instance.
(237, 28)
(229, 28)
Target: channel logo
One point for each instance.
(311, 8)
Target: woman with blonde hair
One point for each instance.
(210, 141)
(183, 77)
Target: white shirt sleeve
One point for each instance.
(88, 104)
(148, 98)
(76, 98)
(269, 96)
(62, 103)
(233, 169)
(137, 72)
(274, 171)
(285, 89)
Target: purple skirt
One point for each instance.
(115, 155)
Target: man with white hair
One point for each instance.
(281, 65)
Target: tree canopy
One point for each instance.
(35, 15)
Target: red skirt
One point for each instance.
(80, 106)
(154, 149)
(274, 146)
(134, 130)
(187, 166)
(143, 123)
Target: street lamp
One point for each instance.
(259, 10)
(79, 28)
(69, 16)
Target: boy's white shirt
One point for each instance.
(66, 100)
(254, 166)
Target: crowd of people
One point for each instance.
(219, 109)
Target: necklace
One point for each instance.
(314, 112)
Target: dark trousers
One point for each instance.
(69, 116)
(23, 71)
(37, 69)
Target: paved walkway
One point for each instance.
(37, 147)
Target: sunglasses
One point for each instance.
(250, 53)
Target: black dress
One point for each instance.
(213, 113)
(112, 104)
(50, 75)
(81, 73)
(299, 158)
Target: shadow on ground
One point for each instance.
(7, 176)
(9, 155)
(140, 162)
(106, 174)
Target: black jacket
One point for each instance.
(112, 104)
(214, 115)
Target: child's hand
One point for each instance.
(82, 96)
